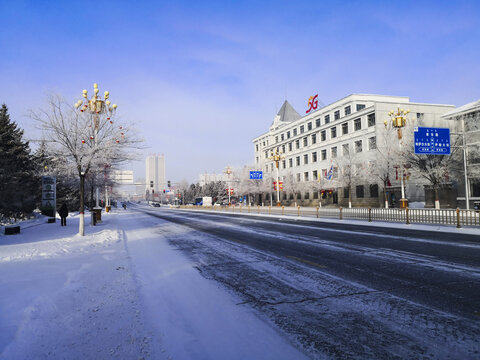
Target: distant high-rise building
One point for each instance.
(155, 173)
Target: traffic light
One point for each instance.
(169, 183)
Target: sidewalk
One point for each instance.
(120, 292)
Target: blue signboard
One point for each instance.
(433, 141)
(256, 175)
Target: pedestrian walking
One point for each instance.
(63, 212)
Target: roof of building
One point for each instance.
(287, 113)
(464, 109)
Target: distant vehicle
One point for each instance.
(198, 201)
(207, 201)
(156, 205)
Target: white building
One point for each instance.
(123, 177)
(155, 173)
(465, 123)
(206, 178)
(311, 144)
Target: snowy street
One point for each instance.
(169, 284)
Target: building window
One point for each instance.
(314, 157)
(288, 134)
(334, 152)
(284, 164)
(324, 154)
(372, 143)
(345, 128)
(360, 191)
(283, 149)
(297, 160)
(256, 147)
(314, 138)
(305, 159)
(276, 139)
(327, 119)
(302, 129)
(324, 173)
(371, 119)
(271, 166)
(346, 192)
(348, 110)
(315, 194)
(346, 150)
(266, 154)
(323, 135)
(289, 146)
(357, 124)
(294, 132)
(307, 194)
(358, 146)
(305, 176)
(336, 115)
(333, 132)
(297, 144)
(317, 122)
(420, 116)
(360, 107)
(282, 137)
(309, 126)
(374, 190)
(305, 141)
(298, 177)
(315, 175)
(256, 159)
(290, 162)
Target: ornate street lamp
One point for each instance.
(398, 121)
(277, 156)
(228, 171)
(95, 107)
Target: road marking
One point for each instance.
(307, 262)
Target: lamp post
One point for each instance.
(277, 156)
(228, 171)
(398, 121)
(95, 107)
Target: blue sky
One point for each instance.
(202, 79)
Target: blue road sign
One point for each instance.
(256, 175)
(433, 141)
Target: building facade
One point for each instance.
(312, 145)
(465, 123)
(155, 173)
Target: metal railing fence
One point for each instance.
(456, 217)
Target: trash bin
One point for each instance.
(98, 214)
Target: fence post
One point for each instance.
(258, 209)
(283, 210)
(369, 214)
(249, 209)
(458, 218)
(298, 211)
(407, 218)
(269, 210)
(340, 213)
(317, 211)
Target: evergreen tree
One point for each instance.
(18, 186)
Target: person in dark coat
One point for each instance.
(63, 212)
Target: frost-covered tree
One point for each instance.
(83, 140)
(351, 171)
(18, 181)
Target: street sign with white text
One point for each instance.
(431, 141)
(256, 175)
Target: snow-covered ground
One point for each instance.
(120, 292)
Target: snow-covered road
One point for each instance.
(121, 292)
